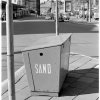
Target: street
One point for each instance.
(44, 27)
(84, 38)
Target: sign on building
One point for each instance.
(67, 6)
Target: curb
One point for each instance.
(15, 52)
(80, 22)
(30, 21)
(18, 75)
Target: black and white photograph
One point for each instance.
(49, 49)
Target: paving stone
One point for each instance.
(92, 96)
(91, 90)
(63, 98)
(79, 63)
(95, 84)
(97, 98)
(82, 71)
(94, 60)
(4, 96)
(86, 80)
(97, 67)
(94, 70)
(70, 80)
(91, 64)
(20, 95)
(23, 93)
(21, 84)
(79, 85)
(92, 75)
(97, 80)
(75, 75)
(65, 85)
(70, 91)
(74, 58)
(39, 98)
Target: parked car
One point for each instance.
(96, 13)
(53, 17)
(96, 16)
(32, 11)
(49, 16)
(3, 16)
(66, 16)
(61, 17)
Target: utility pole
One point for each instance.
(10, 50)
(57, 26)
(89, 10)
(51, 6)
(64, 6)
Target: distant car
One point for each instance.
(32, 11)
(48, 17)
(72, 14)
(61, 18)
(3, 16)
(96, 16)
(53, 17)
(66, 17)
(96, 13)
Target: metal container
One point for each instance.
(46, 63)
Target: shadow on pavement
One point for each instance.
(80, 82)
(21, 28)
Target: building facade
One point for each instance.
(34, 5)
(50, 7)
(29, 4)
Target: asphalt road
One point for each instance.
(31, 27)
(84, 38)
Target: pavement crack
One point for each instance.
(4, 92)
(19, 78)
(27, 98)
(50, 98)
(83, 64)
(15, 83)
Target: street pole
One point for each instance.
(64, 7)
(57, 26)
(51, 6)
(10, 50)
(89, 6)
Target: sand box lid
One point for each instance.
(49, 41)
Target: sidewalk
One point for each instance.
(34, 18)
(82, 82)
(83, 21)
(86, 44)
